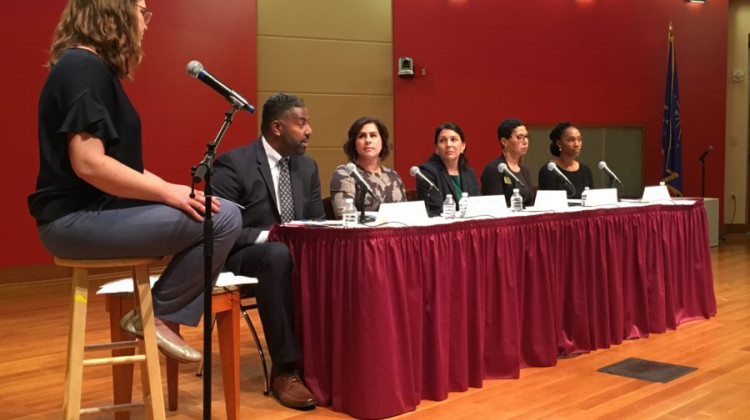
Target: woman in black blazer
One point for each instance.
(514, 139)
(448, 169)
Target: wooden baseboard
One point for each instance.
(736, 229)
(45, 273)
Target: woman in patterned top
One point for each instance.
(366, 146)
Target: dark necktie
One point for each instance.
(286, 201)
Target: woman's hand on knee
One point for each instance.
(178, 196)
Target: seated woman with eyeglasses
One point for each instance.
(514, 139)
(94, 199)
(565, 144)
(448, 169)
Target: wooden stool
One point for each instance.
(225, 305)
(153, 399)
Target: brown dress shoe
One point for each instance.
(288, 388)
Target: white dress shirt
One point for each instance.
(273, 162)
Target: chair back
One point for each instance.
(328, 208)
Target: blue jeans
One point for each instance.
(122, 228)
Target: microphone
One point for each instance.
(195, 69)
(603, 166)
(503, 169)
(553, 168)
(415, 172)
(708, 150)
(354, 173)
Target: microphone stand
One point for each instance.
(703, 174)
(203, 172)
(570, 190)
(429, 197)
(430, 191)
(522, 189)
(359, 198)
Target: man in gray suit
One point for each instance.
(274, 183)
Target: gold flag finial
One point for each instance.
(670, 28)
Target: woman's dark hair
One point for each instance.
(462, 160)
(506, 127)
(555, 135)
(351, 149)
(449, 126)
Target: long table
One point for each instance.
(390, 316)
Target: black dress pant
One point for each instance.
(271, 264)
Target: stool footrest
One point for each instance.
(119, 360)
(112, 408)
(112, 346)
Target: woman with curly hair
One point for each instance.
(94, 199)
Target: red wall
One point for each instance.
(593, 62)
(179, 114)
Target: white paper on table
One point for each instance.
(556, 200)
(126, 285)
(487, 205)
(657, 193)
(409, 213)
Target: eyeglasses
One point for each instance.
(147, 14)
(521, 137)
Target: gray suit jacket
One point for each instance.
(243, 176)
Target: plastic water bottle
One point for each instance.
(463, 204)
(350, 213)
(516, 201)
(449, 207)
(584, 195)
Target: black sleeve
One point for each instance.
(492, 181)
(547, 180)
(227, 185)
(470, 182)
(85, 90)
(589, 177)
(527, 191)
(433, 199)
(317, 212)
(87, 114)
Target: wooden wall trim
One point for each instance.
(737, 228)
(46, 273)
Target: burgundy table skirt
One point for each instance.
(390, 316)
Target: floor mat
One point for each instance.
(647, 370)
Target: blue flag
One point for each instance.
(671, 134)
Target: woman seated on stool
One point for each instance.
(366, 147)
(448, 169)
(566, 143)
(514, 139)
(94, 199)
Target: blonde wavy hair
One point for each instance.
(108, 26)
